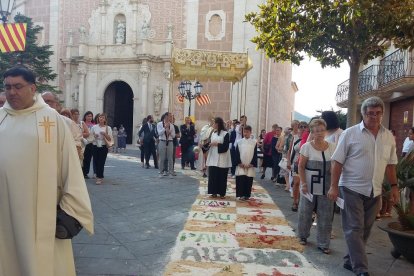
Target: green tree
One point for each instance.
(34, 57)
(333, 31)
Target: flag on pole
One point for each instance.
(12, 37)
(203, 99)
(180, 99)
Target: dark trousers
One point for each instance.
(233, 160)
(244, 185)
(358, 216)
(275, 166)
(187, 155)
(87, 157)
(217, 180)
(150, 150)
(99, 154)
(141, 149)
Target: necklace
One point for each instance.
(320, 147)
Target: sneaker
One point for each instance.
(233, 176)
(173, 174)
(164, 174)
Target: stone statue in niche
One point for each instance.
(120, 33)
(82, 34)
(145, 30)
(157, 100)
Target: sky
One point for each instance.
(317, 86)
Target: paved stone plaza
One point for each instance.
(143, 223)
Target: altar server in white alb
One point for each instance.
(218, 160)
(39, 173)
(246, 160)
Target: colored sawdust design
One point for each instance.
(262, 220)
(198, 208)
(265, 241)
(198, 268)
(209, 226)
(208, 197)
(257, 204)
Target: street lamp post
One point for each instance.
(185, 91)
(6, 7)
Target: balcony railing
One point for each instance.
(395, 66)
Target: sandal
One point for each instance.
(295, 207)
(324, 250)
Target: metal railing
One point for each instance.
(395, 66)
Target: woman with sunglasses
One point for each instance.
(293, 162)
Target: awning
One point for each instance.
(203, 65)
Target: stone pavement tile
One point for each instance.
(105, 251)
(110, 266)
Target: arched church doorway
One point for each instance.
(119, 106)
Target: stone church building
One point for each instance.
(115, 56)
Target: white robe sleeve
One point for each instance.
(72, 191)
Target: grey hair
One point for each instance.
(371, 102)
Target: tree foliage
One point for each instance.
(35, 57)
(333, 31)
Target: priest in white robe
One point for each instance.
(39, 169)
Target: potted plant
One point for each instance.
(401, 232)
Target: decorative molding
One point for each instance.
(215, 28)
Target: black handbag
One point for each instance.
(66, 226)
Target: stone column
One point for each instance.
(81, 96)
(145, 71)
(166, 95)
(69, 94)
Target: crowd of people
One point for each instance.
(316, 161)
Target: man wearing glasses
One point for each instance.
(40, 177)
(364, 153)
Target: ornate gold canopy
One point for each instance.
(210, 65)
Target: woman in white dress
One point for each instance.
(218, 160)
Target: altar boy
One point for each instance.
(246, 160)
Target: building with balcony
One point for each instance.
(392, 79)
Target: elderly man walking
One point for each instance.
(40, 177)
(364, 153)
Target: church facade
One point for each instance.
(115, 57)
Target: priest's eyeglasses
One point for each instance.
(17, 87)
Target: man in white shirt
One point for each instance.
(408, 142)
(364, 153)
(166, 134)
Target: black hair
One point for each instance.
(249, 128)
(21, 71)
(163, 115)
(220, 124)
(331, 119)
(149, 117)
(144, 121)
(86, 114)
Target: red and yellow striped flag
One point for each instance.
(12, 37)
(180, 99)
(203, 99)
